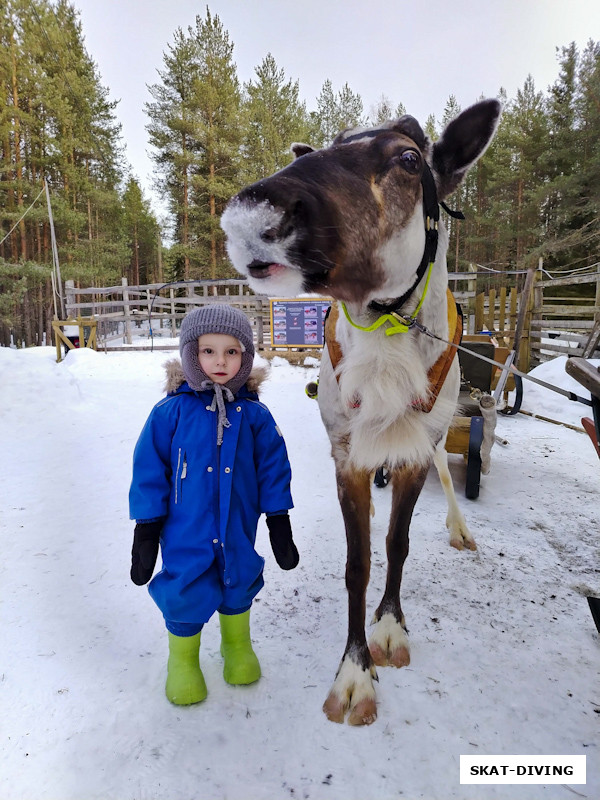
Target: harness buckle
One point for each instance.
(402, 320)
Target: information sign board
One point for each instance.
(299, 322)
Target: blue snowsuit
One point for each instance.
(211, 498)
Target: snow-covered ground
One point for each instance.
(505, 654)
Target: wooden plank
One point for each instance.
(513, 313)
(502, 315)
(585, 374)
(593, 341)
(491, 310)
(571, 280)
(521, 341)
(458, 435)
(582, 325)
(568, 311)
(479, 311)
(552, 347)
(136, 347)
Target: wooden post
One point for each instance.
(513, 315)
(260, 344)
(479, 311)
(126, 312)
(70, 298)
(173, 320)
(522, 343)
(159, 257)
(502, 316)
(491, 310)
(471, 291)
(191, 294)
(597, 302)
(593, 340)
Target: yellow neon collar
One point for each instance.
(398, 324)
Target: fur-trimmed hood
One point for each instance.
(175, 377)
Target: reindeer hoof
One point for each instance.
(378, 654)
(352, 692)
(363, 713)
(460, 536)
(398, 657)
(461, 542)
(334, 709)
(389, 643)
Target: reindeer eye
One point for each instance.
(410, 160)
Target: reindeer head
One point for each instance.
(348, 220)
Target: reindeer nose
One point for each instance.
(269, 235)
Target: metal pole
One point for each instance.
(58, 280)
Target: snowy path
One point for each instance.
(505, 655)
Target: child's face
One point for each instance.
(220, 356)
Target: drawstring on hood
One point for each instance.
(175, 377)
(219, 403)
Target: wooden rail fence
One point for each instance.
(542, 323)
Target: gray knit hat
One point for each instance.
(215, 318)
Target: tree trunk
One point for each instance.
(213, 236)
(20, 245)
(136, 256)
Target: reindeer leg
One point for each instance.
(388, 643)
(460, 536)
(353, 688)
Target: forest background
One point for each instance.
(535, 193)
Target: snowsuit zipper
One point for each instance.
(180, 475)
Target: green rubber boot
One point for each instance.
(185, 681)
(241, 664)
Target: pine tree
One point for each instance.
(588, 179)
(58, 126)
(381, 112)
(194, 128)
(349, 108)
(141, 234)
(573, 197)
(172, 134)
(430, 128)
(216, 107)
(335, 113)
(273, 117)
(326, 115)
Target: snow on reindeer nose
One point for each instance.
(251, 234)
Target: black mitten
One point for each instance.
(280, 534)
(144, 552)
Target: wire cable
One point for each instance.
(22, 217)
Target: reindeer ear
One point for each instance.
(299, 149)
(462, 142)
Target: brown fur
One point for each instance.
(175, 377)
(357, 221)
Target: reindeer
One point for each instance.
(358, 221)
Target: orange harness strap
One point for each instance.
(334, 347)
(436, 374)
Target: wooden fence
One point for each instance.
(542, 324)
(144, 317)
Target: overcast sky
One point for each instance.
(415, 53)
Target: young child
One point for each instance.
(210, 459)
